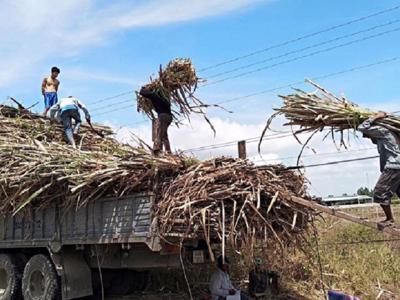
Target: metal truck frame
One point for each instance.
(56, 251)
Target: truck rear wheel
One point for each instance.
(10, 278)
(40, 280)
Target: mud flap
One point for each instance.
(76, 276)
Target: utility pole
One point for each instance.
(242, 149)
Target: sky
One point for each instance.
(109, 48)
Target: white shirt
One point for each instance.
(220, 284)
(67, 103)
(70, 101)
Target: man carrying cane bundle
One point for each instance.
(162, 106)
(388, 144)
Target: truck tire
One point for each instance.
(40, 280)
(10, 278)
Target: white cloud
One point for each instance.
(32, 31)
(80, 74)
(327, 180)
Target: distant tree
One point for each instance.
(345, 195)
(364, 191)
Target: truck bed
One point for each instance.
(104, 221)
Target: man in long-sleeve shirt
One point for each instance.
(162, 106)
(220, 283)
(388, 144)
(67, 109)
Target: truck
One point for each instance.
(75, 252)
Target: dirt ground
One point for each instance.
(168, 296)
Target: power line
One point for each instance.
(360, 19)
(304, 48)
(353, 69)
(233, 143)
(279, 63)
(302, 56)
(282, 134)
(113, 97)
(113, 110)
(108, 105)
(324, 76)
(313, 78)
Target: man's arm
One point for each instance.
(57, 85)
(215, 286)
(369, 128)
(44, 82)
(84, 109)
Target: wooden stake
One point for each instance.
(340, 214)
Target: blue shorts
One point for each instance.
(50, 98)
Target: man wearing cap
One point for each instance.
(221, 286)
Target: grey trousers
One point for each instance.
(66, 118)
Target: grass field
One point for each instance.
(354, 259)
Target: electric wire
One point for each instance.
(309, 35)
(297, 58)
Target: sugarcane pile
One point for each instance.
(37, 167)
(323, 111)
(193, 199)
(234, 200)
(178, 83)
(20, 126)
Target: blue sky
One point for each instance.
(106, 48)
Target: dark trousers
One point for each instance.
(66, 118)
(388, 184)
(161, 139)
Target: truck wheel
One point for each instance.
(10, 278)
(40, 280)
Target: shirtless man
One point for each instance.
(49, 89)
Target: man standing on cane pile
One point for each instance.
(388, 144)
(67, 110)
(49, 89)
(162, 105)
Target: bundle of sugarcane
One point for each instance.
(180, 74)
(322, 110)
(177, 83)
(235, 201)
